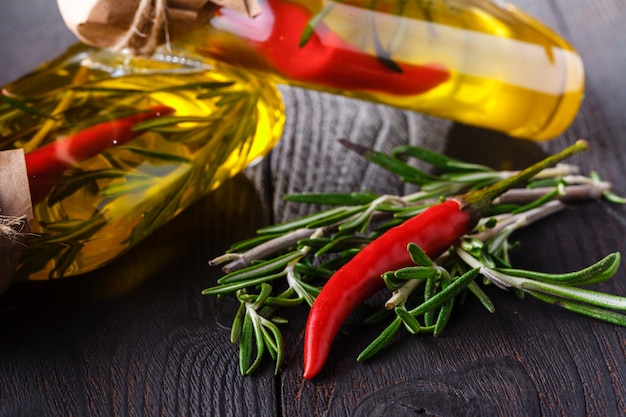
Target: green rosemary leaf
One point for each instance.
(111, 90)
(261, 268)
(378, 316)
(266, 291)
(381, 341)
(341, 244)
(418, 256)
(496, 209)
(490, 223)
(228, 101)
(308, 292)
(415, 272)
(78, 179)
(260, 346)
(268, 338)
(283, 301)
(66, 259)
(446, 294)
(245, 344)
(340, 259)
(211, 85)
(359, 223)
(236, 328)
(70, 230)
(613, 198)
(315, 243)
(279, 320)
(247, 244)
(406, 172)
(278, 343)
(390, 163)
(538, 202)
(405, 213)
(239, 285)
(608, 194)
(410, 322)
(36, 256)
(121, 189)
(444, 317)
(326, 216)
(172, 123)
(390, 281)
(437, 160)
(309, 29)
(482, 296)
(543, 183)
(478, 179)
(82, 122)
(23, 106)
(430, 289)
(598, 272)
(333, 199)
(313, 271)
(161, 156)
(384, 56)
(336, 218)
(590, 311)
(595, 298)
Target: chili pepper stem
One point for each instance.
(478, 201)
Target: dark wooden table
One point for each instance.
(109, 344)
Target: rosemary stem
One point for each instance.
(64, 104)
(570, 193)
(520, 220)
(243, 260)
(400, 295)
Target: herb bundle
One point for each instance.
(286, 265)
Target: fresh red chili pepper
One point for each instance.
(434, 231)
(46, 163)
(325, 59)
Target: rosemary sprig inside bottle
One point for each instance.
(286, 265)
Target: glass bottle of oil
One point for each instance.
(117, 145)
(479, 62)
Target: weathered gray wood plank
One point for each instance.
(114, 345)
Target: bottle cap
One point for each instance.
(141, 25)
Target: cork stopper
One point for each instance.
(15, 212)
(141, 25)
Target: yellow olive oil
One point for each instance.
(483, 63)
(220, 120)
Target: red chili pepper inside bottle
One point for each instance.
(324, 58)
(481, 64)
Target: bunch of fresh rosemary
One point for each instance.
(285, 265)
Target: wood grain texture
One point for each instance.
(113, 344)
(147, 343)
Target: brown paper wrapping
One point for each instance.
(15, 211)
(141, 25)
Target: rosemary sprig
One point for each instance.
(301, 254)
